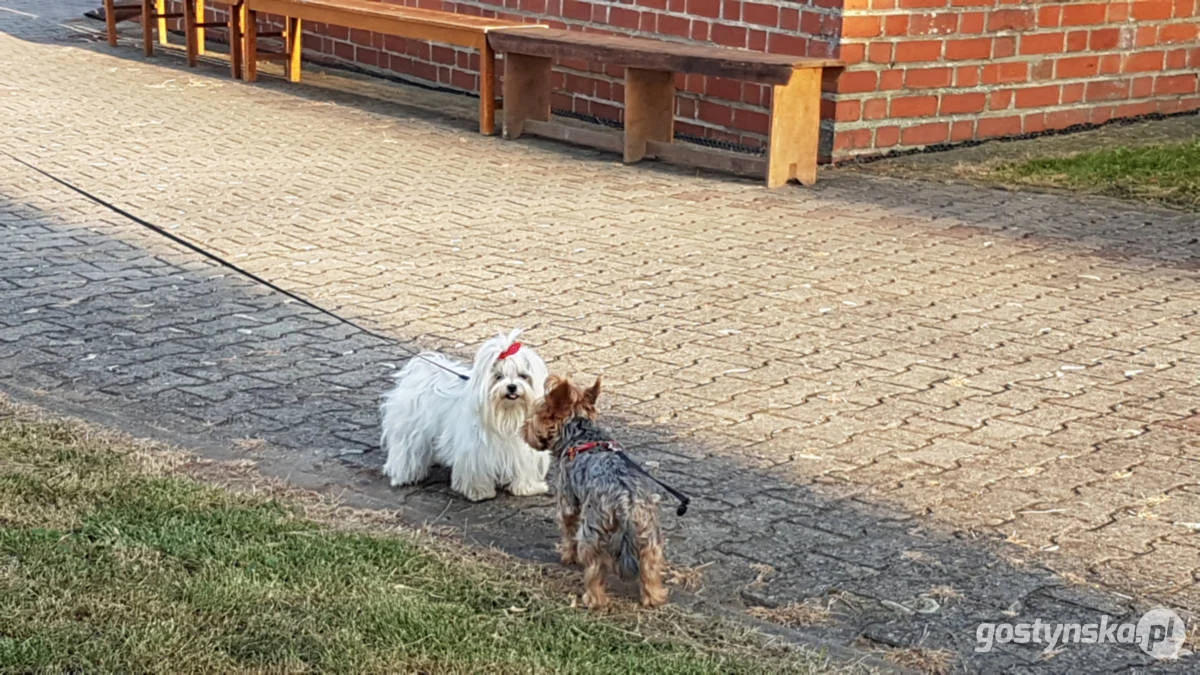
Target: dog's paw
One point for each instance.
(479, 494)
(529, 489)
(597, 602)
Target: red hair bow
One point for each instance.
(512, 349)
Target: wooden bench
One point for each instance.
(409, 22)
(650, 68)
(153, 15)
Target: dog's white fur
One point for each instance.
(433, 417)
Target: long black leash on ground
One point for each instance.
(683, 499)
(225, 263)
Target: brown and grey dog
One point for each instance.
(608, 516)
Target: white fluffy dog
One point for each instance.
(434, 416)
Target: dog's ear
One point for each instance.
(558, 396)
(552, 381)
(592, 393)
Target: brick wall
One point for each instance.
(920, 72)
(936, 71)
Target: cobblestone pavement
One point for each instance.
(920, 406)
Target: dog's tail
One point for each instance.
(627, 553)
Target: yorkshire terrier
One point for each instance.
(608, 516)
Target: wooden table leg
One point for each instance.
(293, 42)
(200, 30)
(526, 92)
(190, 31)
(250, 39)
(110, 22)
(160, 8)
(795, 129)
(649, 110)
(487, 89)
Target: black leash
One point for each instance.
(228, 265)
(684, 500)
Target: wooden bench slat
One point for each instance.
(463, 29)
(647, 54)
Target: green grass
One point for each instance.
(112, 561)
(1168, 173)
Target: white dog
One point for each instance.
(435, 416)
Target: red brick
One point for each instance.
(579, 11)
(854, 81)
(1145, 36)
(1077, 41)
(1049, 16)
(1076, 66)
(1101, 114)
(1142, 87)
(728, 35)
(1004, 46)
(1176, 59)
(763, 15)
(875, 109)
(920, 4)
(958, 104)
(1042, 43)
(972, 23)
(1106, 90)
(928, 78)
(1000, 99)
(890, 80)
(1117, 12)
(758, 42)
(1136, 109)
(1061, 119)
(1178, 32)
(706, 8)
(913, 51)
(673, 25)
(942, 23)
(847, 111)
(971, 48)
(895, 25)
(967, 76)
(1038, 97)
(962, 130)
(778, 43)
(853, 139)
(715, 113)
(1104, 39)
(880, 52)
(886, 137)
(1011, 19)
(999, 73)
(699, 30)
(1087, 14)
(861, 26)
(1175, 84)
(1144, 61)
(1110, 64)
(991, 127)
(1033, 123)
(1042, 70)
(1072, 93)
(925, 134)
(913, 106)
(1194, 57)
(623, 18)
(1152, 10)
(731, 10)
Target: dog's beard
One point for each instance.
(505, 413)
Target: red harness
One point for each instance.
(591, 445)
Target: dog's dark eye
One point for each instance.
(499, 377)
(525, 377)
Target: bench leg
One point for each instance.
(148, 27)
(110, 22)
(237, 46)
(293, 42)
(200, 34)
(160, 8)
(649, 110)
(250, 39)
(190, 31)
(795, 129)
(526, 92)
(487, 89)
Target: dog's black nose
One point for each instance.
(512, 388)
